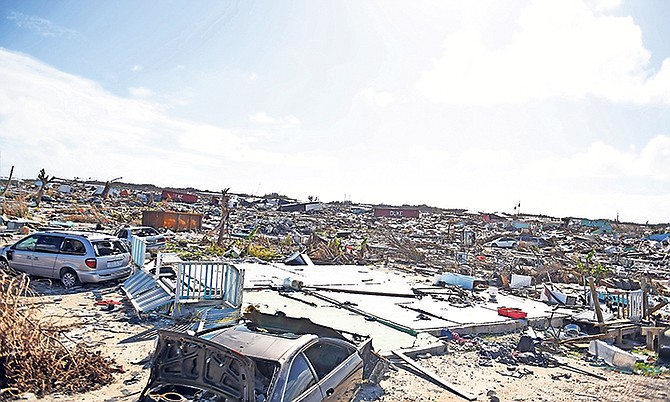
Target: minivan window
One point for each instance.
(73, 246)
(108, 247)
(48, 244)
(27, 244)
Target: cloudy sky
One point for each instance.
(561, 105)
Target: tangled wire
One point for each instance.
(33, 355)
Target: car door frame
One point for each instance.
(22, 260)
(329, 387)
(44, 261)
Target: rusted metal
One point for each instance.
(175, 221)
(179, 197)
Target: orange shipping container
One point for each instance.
(175, 221)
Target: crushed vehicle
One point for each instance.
(72, 257)
(266, 358)
(154, 240)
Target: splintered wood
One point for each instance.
(35, 356)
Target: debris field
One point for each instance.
(466, 305)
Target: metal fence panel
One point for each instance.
(138, 249)
(636, 305)
(199, 280)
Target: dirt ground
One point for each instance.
(544, 384)
(111, 331)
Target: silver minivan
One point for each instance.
(72, 257)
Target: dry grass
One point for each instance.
(17, 207)
(35, 356)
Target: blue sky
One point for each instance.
(562, 105)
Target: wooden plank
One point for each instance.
(596, 303)
(658, 307)
(612, 333)
(446, 385)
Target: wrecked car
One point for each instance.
(267, 358)
(72, 257)
(154, 240)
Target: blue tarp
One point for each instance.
(659, 237)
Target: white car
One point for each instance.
(504, 242)
(155, 240)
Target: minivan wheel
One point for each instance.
(68, 278)
(3, 265)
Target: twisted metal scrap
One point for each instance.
(32, 356)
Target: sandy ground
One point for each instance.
(544, 384)
(107, 330)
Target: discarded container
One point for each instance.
(520, 281)
(396, 212)
(512, 312)
(302, 207)
(293, 284)
(613, 355)
(493, 294)
(179, 197)
(176, 221)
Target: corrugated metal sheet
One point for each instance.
(146, 292)
(151, 299)
(138, 282)
(138, 248)
(218, 317)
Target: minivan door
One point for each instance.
(20, 255)
(44, 257)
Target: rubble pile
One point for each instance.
(547, 249)
(34, 356)
(469, 256)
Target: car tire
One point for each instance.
(68, 278)
(4, 265)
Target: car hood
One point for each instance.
(185, 360)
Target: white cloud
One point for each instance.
(39, 25)
(561, 49)
(290, 121)
(601, 160)
(378, 98)
(136, 68)
(72, 127)
(252, 77)
(607, 5)
(140, 92)
(263, 118)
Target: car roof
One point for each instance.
(88, 235)
(261, 345)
